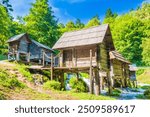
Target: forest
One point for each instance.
(130, 31)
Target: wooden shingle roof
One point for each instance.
(41, 45)
(93, 35)
(16, 37)
(118, 56)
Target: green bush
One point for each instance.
(78, 85)
(25, 72)
(139, 72)
(147, 93)
(116, 92)
(52, 85)
(145, 87)
(2, 96)
(9, 81)
(85, 75)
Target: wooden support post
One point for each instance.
(61, 59)
(51, 66)
(97, 83)
(43, 58)
(17, 56)
(62, 80)
(13, 54)
(28, 57)
(109, 83)
(100, 81)
(91, 74)
(77, 75)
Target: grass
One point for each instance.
(144, 77)
(25, 93)
(86, 96)
(3, 57)
(11, 88)
(24, 71)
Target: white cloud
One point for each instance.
(62, 14)
(21, 7)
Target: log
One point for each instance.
(109, 83)
(97, 83)
(43, 58)
(91, 75)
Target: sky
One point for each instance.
(66, 10)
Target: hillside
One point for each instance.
(144, 76)
(16, 83)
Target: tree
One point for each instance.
(6, 4)
(5, 21)
(109, 13)
(79, 24)
(41, 24)
(127, 34)
(95, 21)
(146, 51)
(70, 25)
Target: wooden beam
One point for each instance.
(43, 58)
(62, 80)
(109, 83)
(17, 56)
(52, 66)
(97, 83)
(28, 57)
(61, 59)
(91, 74)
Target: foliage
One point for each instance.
(144, 77)
(95, 21)
(7, 5)
(147, 93)
(131, 34)
(84, 75)
(4, 26)
(9, 81)
(78, 85)
(86, 96)
(145, 87)
(116, 92)
(3, 57)
(110, 14)
(41, 23)
(2, 96)
(139, 72)
(52, 85)
(24, 71)
(79, 24)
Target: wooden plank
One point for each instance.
(97, 83)
(91, 74)
(52, 66)
(43, 58)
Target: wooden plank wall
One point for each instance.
(77, 57)
(103, 57)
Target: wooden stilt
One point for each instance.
(28, 57)
(91, 75)
(17, 56)
(52, 66)
(43, 58)
(109, 83)
(77, 75)
(100, 81)
(97, 83)
(62, 80)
